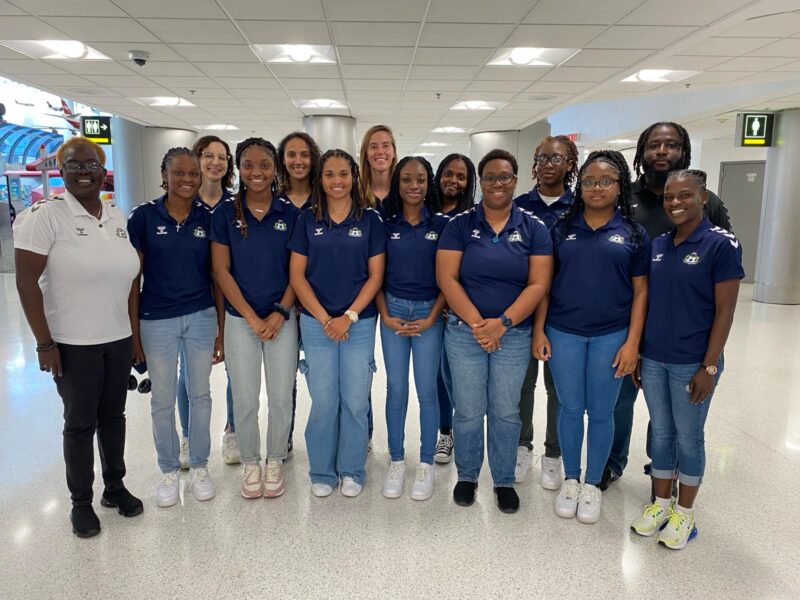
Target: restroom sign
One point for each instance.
(97, 129)
(755, 129)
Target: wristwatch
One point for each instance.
(710, 369)
(280, 308)
(352, 315)
(507, 323)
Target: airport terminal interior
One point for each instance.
(448, 76)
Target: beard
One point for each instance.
(659, 178)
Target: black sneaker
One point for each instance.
(464, 493)
(507, 499)
(609, 477)
(126, 503)
(85, 523)
(444, 449)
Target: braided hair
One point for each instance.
(319, 200)
(393, 205)
(572, 155)
(617, 161)
(283, 173)
(172, 153)
(697, 175)
(686, 146)
(238, 212)
(466, 199)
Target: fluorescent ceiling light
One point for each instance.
(424, 154)
(217, 127)
(323, 103)
(449, 130)
(295, 53)
(164, 101)
(55, 49)
(621, 141)
(433, 145)
(477, 105)
(659, 76)
(531, 57)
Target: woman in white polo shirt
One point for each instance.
(75, 267)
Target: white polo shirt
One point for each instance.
(90, 267)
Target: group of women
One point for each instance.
(464, 292)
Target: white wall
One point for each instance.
(716, 151)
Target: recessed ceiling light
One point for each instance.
(477, 105)
(55, 49)
(424, 154)
(531, 57)
(433, 145)
(659, 76)
(217, 127)
(319, 103)
(164, 101)
(449, 130)
(295, 53)
(621, 141)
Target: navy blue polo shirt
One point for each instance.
(411, 256)
(680, 296)
(494, 267)
(260, 261)
(225, 195)
(177, 260)
(592, 291)
(306, 204)
(338, 257)
(533, 202)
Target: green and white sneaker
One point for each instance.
(678, 531)
(652, 520)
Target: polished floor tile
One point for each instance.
(297, 546)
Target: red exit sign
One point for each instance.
(574, 137)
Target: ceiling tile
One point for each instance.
(322, 85)
(503, 85)
(119, 51)
(280, 11)
(502, 73)
(101, 29)
(376, 10)
(559, 87)
(285, 32)
(716, 77)
(441, 85)
(452, 56)
(305, 71)
(29, 66)
(29, 28)
(792, 66)
(216, 53)
(48, 81)
(129, 80)
(139, 91)
(428, 72)
(376, 84)
(581, 74)
(779, 25)
(97, 8)
(173, 9)
(580, 12)
(377, 71)
(454, 35)
(91, 67)
(168, 69)
(606, 58)
(8, 9)
(554, 36)
(185, 82)
(789, 47)
(458, 11)
(681, 12)
(689, 63)
(379, 95)
(378, 34)
(193, 94)
(636, 36)
(194, 31)
(258, 83)
(375, 55)
(728, 46)
(752, 63)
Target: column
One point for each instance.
(332, 131)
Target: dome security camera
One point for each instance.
(140, 57)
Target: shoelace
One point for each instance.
(422, 473)
(652, 511)
(252, 474)
(168, 479)
(589, 496)
(573, 491)
(200, 475)
(396, 471)
(444, 444)
(273, 470)
(676, 520)
(231, 442)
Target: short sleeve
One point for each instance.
(299, 240)
(377, 235)
(641, 260)
(136, 225)
(452, 238)
(541, 243)
(33, 230)
(219, 227)
(728, 260)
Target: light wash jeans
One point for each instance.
(162, 340)
(486, 384)
(585, 383)
(425, 351)
(677, 425)
(182, 397)
(245, 354)
(339, 376)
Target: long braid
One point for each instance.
(572, 155)
(641, 144)
(172, 153)
(238, 212)
(393, 205)
(319, 200)
(466, 199)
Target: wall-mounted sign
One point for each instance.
(754, 129)
(97, 129)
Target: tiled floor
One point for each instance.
(297, 546)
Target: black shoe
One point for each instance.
(464, 493)
(507, 499)
(609, 477)
(85, 523)
(126, 503)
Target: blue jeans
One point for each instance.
(486, 384)
(183, 399)
(585, 383)
(162, 341)
(623, 425)
(425, 351)
(339, 376)
(677, 425)
(444, 392)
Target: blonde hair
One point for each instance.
(366, 171)
(79, 141)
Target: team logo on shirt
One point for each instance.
(237, 223)
(476, 233)
(692, 259)
(571, 237)
(515, 236)
(658, 257)
(199, 232)
(121, 233)
(280, 225)
(81, 232)
(395, 236)
(616, 238)
(432, 236)
(318, 231)
(161, 230)
(355, 232)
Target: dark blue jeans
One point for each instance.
(623, 424)
(444, 391)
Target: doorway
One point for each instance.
(741, 187)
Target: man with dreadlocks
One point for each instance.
(662, 147)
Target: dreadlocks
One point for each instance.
(319, 200)
(238, 213)
(572, 155)
(172, 153)
(465, 199)
(393, 205)
(686, 146)
(283, 173)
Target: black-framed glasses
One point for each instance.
(589, 183)
(213, 155)
(73, 166)
(505, 179)
(555, 159)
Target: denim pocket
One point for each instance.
(302, 366)
(453, 320)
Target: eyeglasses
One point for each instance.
(72, 166)
(555, 159)
(505, 179)
(589, 183)
(213, 155)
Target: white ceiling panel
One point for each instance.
(559, 87)
(23, 67)
(375, 55)
(378, 34)
(374, 84)
(289, 70)
(7, 9)
(377, 95)
(456, 35)
(29, 28)
(91, 67)
(606, 58)
(427, 72)
(250, 83)
(321, 85)
(377, 71)
(580, 74)
(779, 25)
(167, 69)
(216, 53)
(792, 66)
(715, 77)
(119, 51)
(752, 63)
(140, 91)
(186, 82)
(130, 80)
(280, 11)
(65, 80)
(580, 12)
(285, 32)
(376, 10)
(789, 47)
(194, 31)
(503, 85)
(97, 8)
(171, 9)
(225, 69)
(554, 36)
(681, 12)
(641, 37)
(441, 85)
(8, 53)
(728, 46)
(476, 57)
(193, 94)
(101, 29)
(458, 11)
(501, 73)
(689, 63)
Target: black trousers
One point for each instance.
(93, 387)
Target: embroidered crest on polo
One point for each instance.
(395, 236)
(658, 257)
(81, 231)
(476, 233)
(515, 236)
(237, 223)
(199, 232)
(432, 236)
(571, 237)
(121, 233)
(616, 238)
(355, 232)
(280, 225)
(161, 230)
(692, 259)
(318, 231)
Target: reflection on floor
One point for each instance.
(297, 546)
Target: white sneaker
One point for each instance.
(230, 448)
(567, 499)
(251, 481)
(273, 479)
(168, 491)
(524, 464)
(423, 482)
(200, 484)
(551, 473)
(321, 490)
(589, 503)
(395, 477)
(350, 488)
(184, 453)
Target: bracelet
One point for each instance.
(279, 308)
(46, 347)
(328, 322)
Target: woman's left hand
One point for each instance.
(700, 386)
(626, 359)
(420, 325)
(219, 352)
(488, 333)
(273, 323)
(337, 329)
